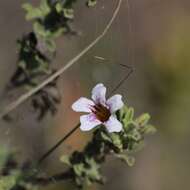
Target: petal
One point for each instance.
(88, 122)
(83, 105)
(115, 103)
(113, 125)
(99, 93)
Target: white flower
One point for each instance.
(100, 110)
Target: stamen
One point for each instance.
(102, 113)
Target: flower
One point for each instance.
(100, 110)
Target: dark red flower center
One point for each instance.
(102, 113)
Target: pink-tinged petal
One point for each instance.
(83, 105)
(99, 94)
(115, 103)
(113, 125)
(88, 122)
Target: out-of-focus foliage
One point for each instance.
(51, 18)
(11, 173)
(15, 175)
(32, 62)
(91, 3)
(36, 49)
(47, 100)
(85, 166)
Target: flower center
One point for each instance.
(102, 113)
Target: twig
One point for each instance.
(55, 178)
(27, 95)
(44, 181)
(131, 69)
(58, 144)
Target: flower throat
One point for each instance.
(102, 113)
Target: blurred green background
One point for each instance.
(157, 46)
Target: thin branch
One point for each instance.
(42, 181)
(51, 150)
(27, 95)
(55, 178)
(131, 69)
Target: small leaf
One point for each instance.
(143, 119)
(51, 45)
(122, 112)
(68, 13)
(128, 118)
(92, 170)
(106, 137)
(91, 3)
(45, 7)
(6, 183)
(59, 7)
(148, 129)
(27, 7)
(78, 169)
(130, 114)
(65, 159)
(134, 134)
(39, 29)
(116, 140)
(130, 160)
(3, 156)
(32, 13)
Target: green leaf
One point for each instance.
(135, 134)
(68, 13)
(3, 156)
(130, 160)
(35, 13)
(78, 169)
(91, 3)
(116, 140)
(27, 7)
(51, 45)
(122, 112)
(106, 137)
(32, 13)
(128, 119)
(45, 7)
(93, 170)
(6, 183)
(57, 33)
(59, 7)
(65, 159)
(143, 119)
(130, 114)
(148, 129)
(39, 29)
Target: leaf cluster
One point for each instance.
(86, 165)
(12, 174)
(50, 19)
(32, 62)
